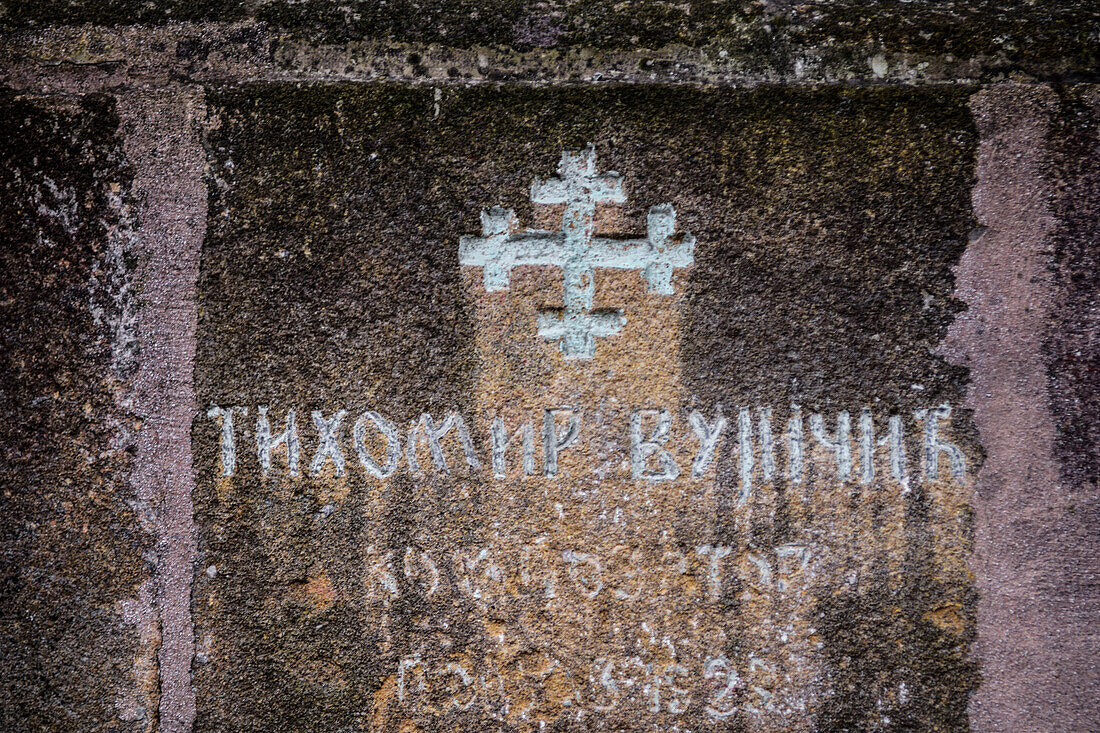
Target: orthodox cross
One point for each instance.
(577, 251)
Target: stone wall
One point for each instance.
(550, 366)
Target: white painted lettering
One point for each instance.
(228, 439)
(724, 681)
(841, 445)
(898, 461)
(867, 444)
(420, 569)
(393, 444)
(467, 682)
(477, 573)
(642, 450)
(328, 434)
(708, 435)
(677, 681)
(745, 454)
(434, 434)
(767, 444)
(265, 443)
(933, 445)
(714, 571)
(501, 441)
(794, 444)
(410, 662)
(866, 447)
(380, 571)
(590, 581)
(552, 442)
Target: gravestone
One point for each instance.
(460, 469)
(549, 366)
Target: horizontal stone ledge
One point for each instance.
(1016, 30)
(211, 52)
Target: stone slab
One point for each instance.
(77, 637)
(640, 578)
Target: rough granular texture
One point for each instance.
(74, 550)
(844, 35)
(827, 224)
(829, 266)
(321, 287)
(1073, 349)
(828, 284)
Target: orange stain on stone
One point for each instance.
(318, 590)
(948, 617)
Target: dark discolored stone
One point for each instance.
(833, 248)
(75, 640)
(841, 36)
(27, 13)
(1068, 545)
(829, 285)
(327, 282)
(1074, 354)
(827, 222)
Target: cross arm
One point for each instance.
(635, 254)
(605, 189)
(578, 181)
(533, 247)
(498, 250)
(656, 255)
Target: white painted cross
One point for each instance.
(577, 325)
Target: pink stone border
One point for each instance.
(1033, 659)
(162, 142)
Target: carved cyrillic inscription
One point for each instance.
(651, 433)
(660, 670)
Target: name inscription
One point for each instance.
(853, 453)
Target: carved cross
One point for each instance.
(577, 251)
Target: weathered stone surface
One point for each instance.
(27, 13)
(828, 284)
(1074, 354)
(161, 139)
(834, 221)
(827, 223)
(360, 315)
(1024, 282)
(75, 642)
(766, 35)
(839, 39)
(1073, 369)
